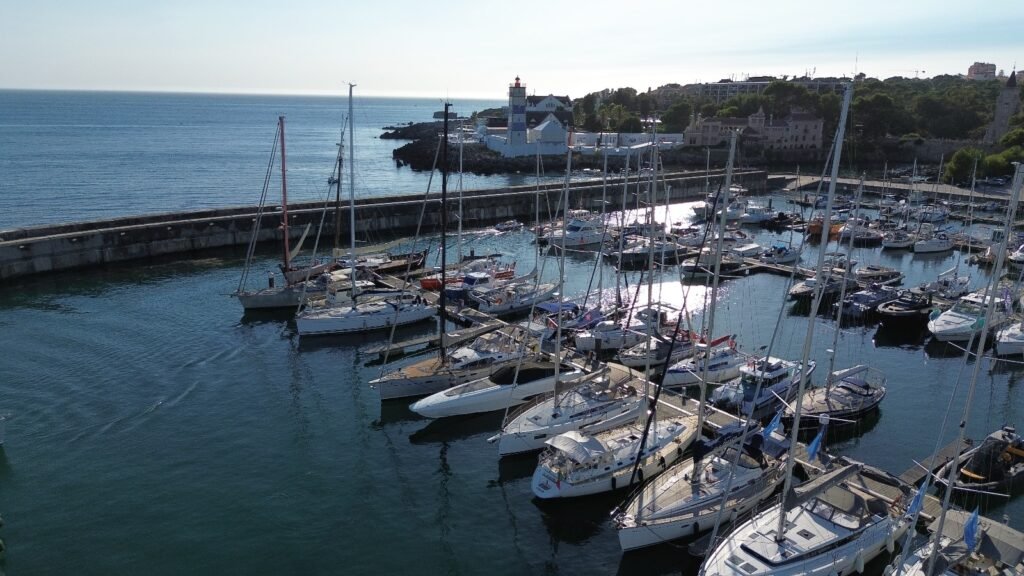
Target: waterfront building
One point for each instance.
(725, 89)
(532, 124)
(797, 131)
(981, 71)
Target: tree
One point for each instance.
(631, 125)
(1012, 138)
(961, 164)
(677, 117)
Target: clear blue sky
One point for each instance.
(474, 48)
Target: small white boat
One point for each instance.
(1010, 340)
(757, 214)
(749, 250)
(655, 352)
(506, 387)
(898, 240)
(577, 233)
(513, 297)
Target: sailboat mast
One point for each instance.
(842, 288)
(284, 201)
(458, 241)
(780, 531)
(719, 252)
(442, 315)
(337, 193)
(622, 237)
(351, 197)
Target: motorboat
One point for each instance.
(508, 226)
(1009, 341)
(898, 240)
(938, 242)
(477, 359)
(513, 298)
(856, 230)
(780, 254)
(509, 386)
(757, 214)
(641, 252)
(720, 358)
(877, 274)
(483, 266)
(949, 285)
(763, 384)
(908, 308)
(579, 464)
(994, 465)
(748, 250)
(833, 524)
(734, 211)
(864, 302)
(704, 264)
(847, 397)
(611, 335)
(686, 499)
(577, 233)
(806, 289)
(654, 351)
(602, 400)
(966, 318)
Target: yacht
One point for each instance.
(994, 465)
(464, 364)
(506, 387)
(610, 335)
(847, 397)
(1010, 340)
(384, 312)
(762, 385)
(938, 242)
(780, 254)
(864, 302)
(604, 400)
(834, 524)
(686, 499)
(512, 298)
(833, 285)
(965, 318)
(999, 550)
(909, 307)
(578, 464)
(654, 351)
(722, 361)
(757, 215)
(578, 232)
(877, 274)
(898, 240)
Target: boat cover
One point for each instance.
(577, 447)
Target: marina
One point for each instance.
(144, 392)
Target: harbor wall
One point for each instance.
(42, 249)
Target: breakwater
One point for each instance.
(34, 250)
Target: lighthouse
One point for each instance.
(516, 116)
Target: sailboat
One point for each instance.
(299, 282)
(405, 307)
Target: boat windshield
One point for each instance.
(968, 308)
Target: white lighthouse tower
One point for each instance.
(516, 116)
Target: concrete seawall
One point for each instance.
(26, 251)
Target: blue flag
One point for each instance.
(812, 448)
(915, 504)
(772, 425)
(971, 530)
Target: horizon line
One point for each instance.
(231, 92)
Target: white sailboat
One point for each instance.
(404, 308)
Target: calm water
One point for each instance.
(155, 429)
(69, 156)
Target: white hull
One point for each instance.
(526, 433)
(1010, 340)
(653, 533)
(841, 560)
(363, 318)
(485, 398)
(665, 446)
(271, 298)
(929, 246)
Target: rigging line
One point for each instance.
(259, 211)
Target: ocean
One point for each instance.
(152, 427)
(71, 156)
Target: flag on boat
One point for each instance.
(812, 448)
(915, 504)
(971, 530)
(773, 424)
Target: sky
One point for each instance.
(475, 48)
